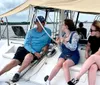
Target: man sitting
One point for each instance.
(35, 40)
(82, 31)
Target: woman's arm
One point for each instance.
(73, 45)
(98, 52)
(87, 50)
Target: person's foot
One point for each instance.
(46, 78)
(73, 81)
(47, 82)
(16, 77)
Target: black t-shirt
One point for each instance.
(94, 43)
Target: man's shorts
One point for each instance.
(21, 53)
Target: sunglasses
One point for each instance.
(92, 30)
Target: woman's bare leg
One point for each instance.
(56, 69)
(68, 63)
(94, 68)
(87, 64)
(97, 59)
(92, 74)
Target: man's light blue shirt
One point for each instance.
(35, 41)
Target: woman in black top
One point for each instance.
(92, 64)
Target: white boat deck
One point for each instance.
(35, 76)
(8, 75)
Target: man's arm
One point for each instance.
(45, 48)
(27, 42)
(43, 52)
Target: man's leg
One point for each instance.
(9, 66)
(27, 61)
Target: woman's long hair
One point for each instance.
(96, 24)
(70, 24)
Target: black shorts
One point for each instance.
(21, 53)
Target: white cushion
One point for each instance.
(8, 55)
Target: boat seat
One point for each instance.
(18, 31)
(82, 59)
(10, 51)
(83, 41)
(78, 67)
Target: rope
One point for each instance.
(37, 70)
(45, 30)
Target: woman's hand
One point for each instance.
(62, 40)
(87, 55)
(59, 40)
(66, 39)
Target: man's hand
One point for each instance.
(45, 49)
(38, 55)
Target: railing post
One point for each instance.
(7, 31)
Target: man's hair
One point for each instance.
(81, 24)
(41, 19)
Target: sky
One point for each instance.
(6, 5)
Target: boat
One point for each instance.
(35, 73)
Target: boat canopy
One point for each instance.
(74, 5)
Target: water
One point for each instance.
(25, 27)
(11, 33)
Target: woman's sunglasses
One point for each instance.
(93, 30)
